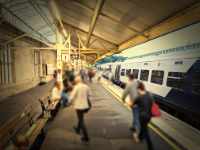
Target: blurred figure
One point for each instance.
(59, 76)
(65, 93)
(55, 74)
(131, 90)
(83, 75)
(80, 97)
(56, 92)
(99, 78)
(70, 75)
(144, 103)
(90, 74)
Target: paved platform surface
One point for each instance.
(177, 130)
(107, 124)
(14, 104)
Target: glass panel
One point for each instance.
(176, 79)
(5, 65)
(123, 72)
(144, 75)
(157, 77)
(135, 73)
(128, 71)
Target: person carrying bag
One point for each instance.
(80, 97)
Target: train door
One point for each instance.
(117, 72)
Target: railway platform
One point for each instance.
(12, 105)
(108, 123)
(108, 126)
(176, 132)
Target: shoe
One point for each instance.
(85, 140)
(132, 129)
(76, 130)
(135, 137)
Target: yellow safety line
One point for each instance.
(171, 143)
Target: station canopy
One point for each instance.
(99, 28)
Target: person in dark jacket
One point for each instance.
(144, 102)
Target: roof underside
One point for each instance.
(117, 22)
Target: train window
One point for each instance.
(135, 73)
(178, 62)
(128, 71)
(157, 77)
(144, 75)
(176, 79)
(123, 72)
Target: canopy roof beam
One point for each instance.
(41, 37)
(41, 13)
(111, 18)
(97, 11)
(81, 30)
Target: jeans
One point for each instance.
(136, 121)
(64, 99)
(81, 124)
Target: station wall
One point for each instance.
(21, 68)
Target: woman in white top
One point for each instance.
(56, 92)
(80, 97)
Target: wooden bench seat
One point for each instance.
(22, 130)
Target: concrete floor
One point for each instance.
(107, 124)
(12, 105)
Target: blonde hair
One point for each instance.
(57, 84)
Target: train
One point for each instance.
(171, 75)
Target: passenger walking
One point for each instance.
(144, 103)
(65, 93)
(90, 74)
(80, 98)
(83, 75)
(131, 90)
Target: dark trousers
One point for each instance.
(144, 132)
(81, 125)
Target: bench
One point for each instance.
(22, 130)
(8, 129)
(17, 125)
(49, 108)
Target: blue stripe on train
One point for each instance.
(181, 101)
(185, 98)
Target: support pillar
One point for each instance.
(59, 46)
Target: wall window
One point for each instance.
(6, 65)
(157, 77)
(176, 79)
(144, 75)
(37, 63)
(123, 72)
(128, 71)
(135, 73)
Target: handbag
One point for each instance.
(155, 110)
